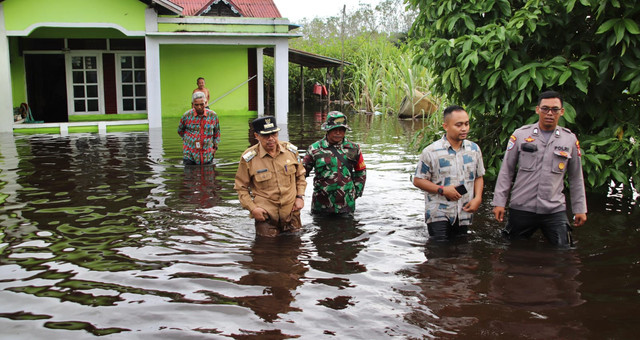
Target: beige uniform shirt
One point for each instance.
(268, 182)
(540, 172)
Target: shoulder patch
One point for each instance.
(249, 155)
(512, 142)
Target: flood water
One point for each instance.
(109, 235)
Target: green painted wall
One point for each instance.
(231, 28)
(107, 117)
(20, 14)
(223, 67)
(18, 82)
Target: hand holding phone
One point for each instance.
(461, 189)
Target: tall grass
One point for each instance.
(381, 75)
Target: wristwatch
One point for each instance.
(441, 190)
(300, 197)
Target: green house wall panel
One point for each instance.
(229, 28)
(18, 87)
(223, 67)
(128, 14)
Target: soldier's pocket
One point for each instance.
(560, 161)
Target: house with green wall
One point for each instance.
(105, 63)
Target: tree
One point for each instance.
(495, 56)
(382, 73)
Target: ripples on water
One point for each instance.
(111, 236)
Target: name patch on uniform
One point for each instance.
(561, 148)
(261, 171)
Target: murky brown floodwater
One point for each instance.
(111, 236)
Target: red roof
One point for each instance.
(247, 8)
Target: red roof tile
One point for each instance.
(247, 8)
(257, 8)
(190, 6)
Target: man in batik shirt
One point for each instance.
(200, 132)
(450, 172)
(340, 172)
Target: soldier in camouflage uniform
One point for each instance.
(340, 172)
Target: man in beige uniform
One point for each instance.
(543, 153)
(270, 181)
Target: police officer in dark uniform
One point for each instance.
(543, 153)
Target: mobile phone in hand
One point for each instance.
(461, 189)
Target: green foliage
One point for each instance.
(496, 56)
(382, 72)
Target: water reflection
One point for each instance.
(274, 265)
(537, 282)
(447, 282)
(111, 234)
(338, 243)
(337, 240)
(200, 187)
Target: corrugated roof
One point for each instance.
(246, 8)
(308, 59)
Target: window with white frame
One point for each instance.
(132, 80)
(84, 74)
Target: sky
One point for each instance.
(295, 10)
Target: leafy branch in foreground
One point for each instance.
(496, 56)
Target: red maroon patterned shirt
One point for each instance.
(200, 136)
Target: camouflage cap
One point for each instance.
(335, 119)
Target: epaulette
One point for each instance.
(566, 130)
(292, 148)
(249, 155)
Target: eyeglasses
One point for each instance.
(546, 109)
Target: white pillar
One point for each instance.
(281, 83)
(260, 72)
(64, 129)
(6, 97)
(102, 128)
(154, 97)
(9, 169)
(158, 195)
